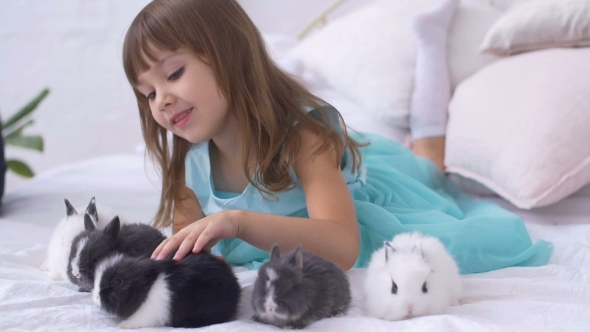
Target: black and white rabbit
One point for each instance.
(93, 245)
(413, 275)
(198, 290)
(296, 289)
(67, 229)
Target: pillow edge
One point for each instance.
(540, 200)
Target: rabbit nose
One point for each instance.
(410, 308)
(270, 307)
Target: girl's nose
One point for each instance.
(165, 101)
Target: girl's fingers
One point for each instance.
(185, 248)
(156, 252)
(171, 245)
(203, 239)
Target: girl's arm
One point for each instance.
(331, 231)
(186, 210)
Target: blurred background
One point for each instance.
(73, 47)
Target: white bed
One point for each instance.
(554, 297)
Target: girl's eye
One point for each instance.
(151, 96)
(175, 75)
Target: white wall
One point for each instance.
(290, 16)
(74, 48)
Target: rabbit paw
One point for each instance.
(127, 325)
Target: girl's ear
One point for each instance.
(113, 228)
(275, 252)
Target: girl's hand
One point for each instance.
(202, 234)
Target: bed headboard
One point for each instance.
(321, 18)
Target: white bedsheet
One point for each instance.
(553, 297)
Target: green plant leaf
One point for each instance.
(20, 168)
(26, 110)
(18, 131)
(34, 142)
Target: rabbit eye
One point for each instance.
(393, 287)
(117, 282)
(424, 289)
(93, 260)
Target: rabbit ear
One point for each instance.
(298, 257)
(88, 223)
(275, 252)
(417, 249)
(113, 228)
(91, 209)
(69, 208)
(388, 249)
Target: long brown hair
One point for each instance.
(266, 101)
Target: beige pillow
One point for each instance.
(530, 25)
(521, 126)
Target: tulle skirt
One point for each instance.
(405, 193)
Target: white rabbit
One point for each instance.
(61, 241)
(413, 275)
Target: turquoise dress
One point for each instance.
(394, 192)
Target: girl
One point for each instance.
(250, 158)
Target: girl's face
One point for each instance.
(184, 96)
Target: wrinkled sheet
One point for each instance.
(555, 297)
(552, 297)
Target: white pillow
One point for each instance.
(471, 23)
(530, 25)
(521, 126)
(370, 55)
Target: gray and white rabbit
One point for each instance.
(299, 288)
(198, 290)
(67, 229)
(413, 275)
(93, 245)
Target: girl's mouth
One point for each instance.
(180, 119)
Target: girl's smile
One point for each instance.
(184, 96)
(181, 118)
